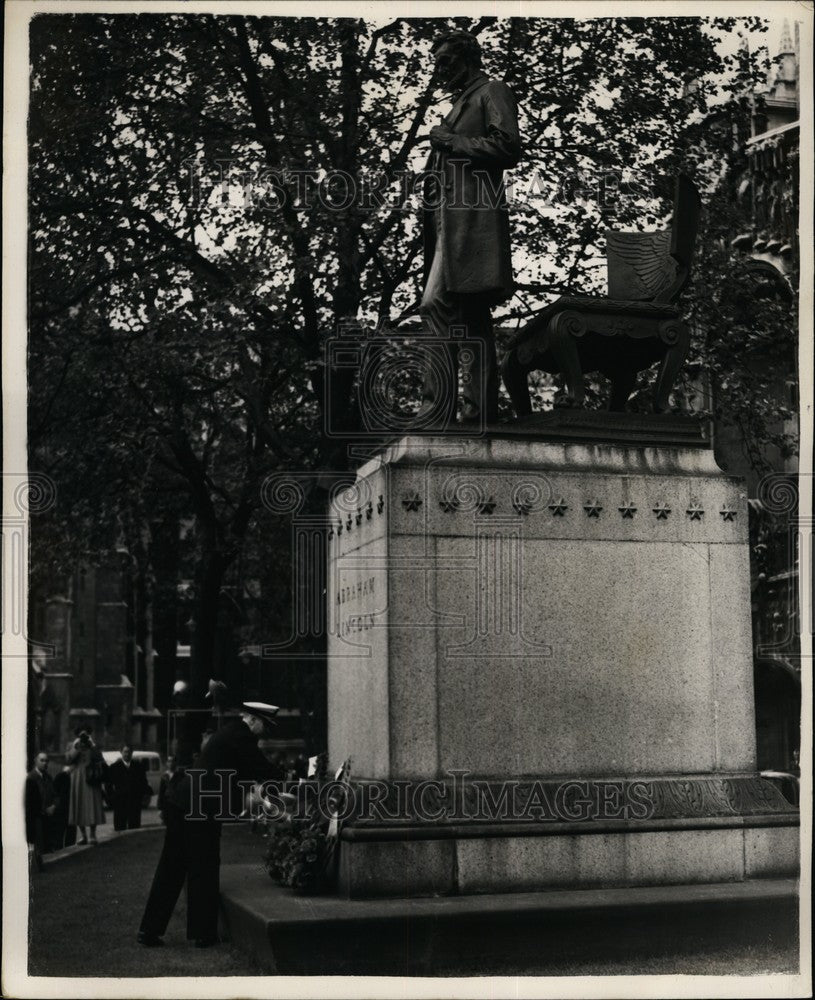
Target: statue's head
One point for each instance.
(457, 54)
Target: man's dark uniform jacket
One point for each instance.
(127, 787)
(192, 842)
(232, 748)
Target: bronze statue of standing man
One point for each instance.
(468, 264)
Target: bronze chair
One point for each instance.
(637, 325)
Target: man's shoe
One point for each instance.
(206, 942)
(149, 940)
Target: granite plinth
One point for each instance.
(601, 857)
(563, 604)
(541, 607)
(473, 836)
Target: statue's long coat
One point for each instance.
(474, 223)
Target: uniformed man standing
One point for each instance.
(194, 809)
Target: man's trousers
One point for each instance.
(126, 813)
(192, 851)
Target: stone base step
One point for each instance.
(500, 934)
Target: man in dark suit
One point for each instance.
(194, 809)
(40, 806)
(468, 262)
(127, 787)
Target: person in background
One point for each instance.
(40, 806)
(62, 835)
(127, 787)
(168, 781)
(87, 776)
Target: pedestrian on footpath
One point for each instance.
(85, 810)
(194, 810)
(127, 788)
(40, 806)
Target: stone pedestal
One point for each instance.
(559, 616)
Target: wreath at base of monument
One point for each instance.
(302, 852)
(297, 857)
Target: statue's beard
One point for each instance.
(455, 82)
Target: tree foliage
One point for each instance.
(193, 244)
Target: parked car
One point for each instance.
(150, 760)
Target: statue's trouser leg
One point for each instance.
(453, 320)
(517, 383)
(479, 366)
(442, 321)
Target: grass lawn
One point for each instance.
(85, 912)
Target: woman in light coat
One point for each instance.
(85, 803)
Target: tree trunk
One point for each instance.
(149, 657)
(211, 573)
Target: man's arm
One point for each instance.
(501, 147)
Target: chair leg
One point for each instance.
(564, 329)
(677, 336)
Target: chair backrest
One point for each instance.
(640, 265)
(685, 225)
(654, 267)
